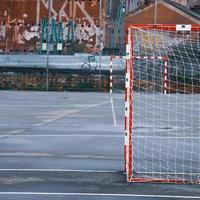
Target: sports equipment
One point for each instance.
(162, 102)
(116, 73)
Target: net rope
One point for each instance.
(117, 64)
(166, 127)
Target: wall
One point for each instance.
(132, 5)
(35, 79)
(171, 16)
(20, 22)
(188, 3)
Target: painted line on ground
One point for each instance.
(59, 170)
(102, 136)
(100, 194)
(54, 119)
(114, 136)
(113, 112)
(47, 105)
(45, 155)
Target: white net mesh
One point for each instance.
(117, 64)
(165, 138)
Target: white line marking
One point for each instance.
(114, 136)
(111, 136)
(17, 131)
(168, 173)
(99, 194)
(61, 117)
(113, 112)
(31, 105)
(59, 170)
(56, 116)
(36, 125)
(42, 155)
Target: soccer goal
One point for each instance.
(162, 104)
(116, 65)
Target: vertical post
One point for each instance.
(126, 114)
(6, 46)
(48, 40)
(165, 77)
(128, 107)
(110, 24)
(155, 11)
(38, 12)
(130, 135)
(111, 77)
(110, 8)
(100, 54)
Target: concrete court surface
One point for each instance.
(69, 146)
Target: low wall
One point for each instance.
(58, 81)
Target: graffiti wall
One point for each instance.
(132, 5)
(20, 23)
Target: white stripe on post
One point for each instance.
(127, 81)
(165, 77)
(111, 64)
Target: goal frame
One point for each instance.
(111, 70)
(129, 109)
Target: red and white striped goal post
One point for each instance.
(128, 121)
(111, 70)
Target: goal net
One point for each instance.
(162, 102)
(116, 75)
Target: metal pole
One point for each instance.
(110, 8)
(48, 39)
(100, 27)
(155, 11)
(6, 46)
(110, 35)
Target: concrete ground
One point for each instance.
(69, 146)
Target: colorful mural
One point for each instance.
(20, 22)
